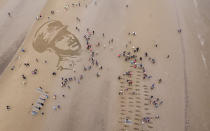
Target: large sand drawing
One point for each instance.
(53, 35)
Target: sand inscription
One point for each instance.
(54, 36)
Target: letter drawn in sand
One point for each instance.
(53, 35)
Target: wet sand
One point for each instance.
(14, 28)
(195, 22)
(94, 103)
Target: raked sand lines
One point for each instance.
(137, 103)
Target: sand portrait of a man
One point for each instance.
(54, 35)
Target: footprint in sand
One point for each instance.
(122, 97)
(136, 129)
(138, 102)
(150, 122)
(130, 111)
(137, 89)
(122, 105)
(137, 110)
(149, 126)
(146, 109)
(123, 110)
(122, 118)
(137, 119)
(138, 115)
(148, 113)
(130, 97)
(138, 106)
(126, 125)
(131, 105)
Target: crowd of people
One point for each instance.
(136, 108)
(134, 93)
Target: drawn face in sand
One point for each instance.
(53, 35)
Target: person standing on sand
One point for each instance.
(146, 54)
(8, 107)
(137, 49)
(97, 74)
(9, 14)
(101, 67)
(140, 58)
(160, 80)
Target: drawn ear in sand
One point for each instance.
(53, 35)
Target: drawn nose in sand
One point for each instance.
(55, 36)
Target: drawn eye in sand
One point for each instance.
(53, 35)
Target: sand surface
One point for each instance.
(14, 28)
(94, 103)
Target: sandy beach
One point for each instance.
(104, 65)
(14, 29)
